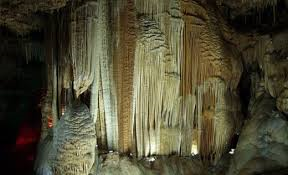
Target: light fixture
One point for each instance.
(232, 151)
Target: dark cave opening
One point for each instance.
(21, 89)
(29, 128)
(245, 91)
(261, 20)
(136, 123)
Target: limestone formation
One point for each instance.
(71, 149)
(19, 15)
(165, 105)
(262, 145)
(156, 78)
(113, 163)
(175, 88)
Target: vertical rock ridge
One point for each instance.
(123, 67)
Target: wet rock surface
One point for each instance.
(263, 142)
(71, 149)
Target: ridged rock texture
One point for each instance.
(160, 78)
(262, 146)
(25, 10)
(113, 163)
(263, 143)
(273, 66)
(71, 148)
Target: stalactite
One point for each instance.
(258, 6)
(99, 41)
(151, 7)
(52, 64)
(148, 76)
(95, 51)
(64, 71)
(54, 92)
(94, 102)
(123, 72)
(191, 75)
(101, 127)
(206, 56)
(261, 54)
(107, 83)
(159, 83)
(33, 51)
(261, 3)
(258, 3)
(82, 45)
(172, 26)
(272, 70)
(159, 110)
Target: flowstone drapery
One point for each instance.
(160, 76)
(153, 86)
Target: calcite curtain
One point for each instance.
(160, 76)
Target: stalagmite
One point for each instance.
(148, 86)
(72, 150)
(160, 76)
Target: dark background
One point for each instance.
(21, 88)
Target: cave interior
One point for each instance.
(188, 87)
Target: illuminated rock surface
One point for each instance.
(112, 163)
(263, 144)
(71, 149)
(178, 80)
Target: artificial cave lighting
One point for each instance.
(151, 159)
(232, 151)
(145, 86)
(194, 149)
(62, 110)
(50, 122)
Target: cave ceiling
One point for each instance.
(162, 79)
(24, 16)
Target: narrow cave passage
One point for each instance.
(244, 88)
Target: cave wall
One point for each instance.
(162, 77)
(159, 77)
(179, 76)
